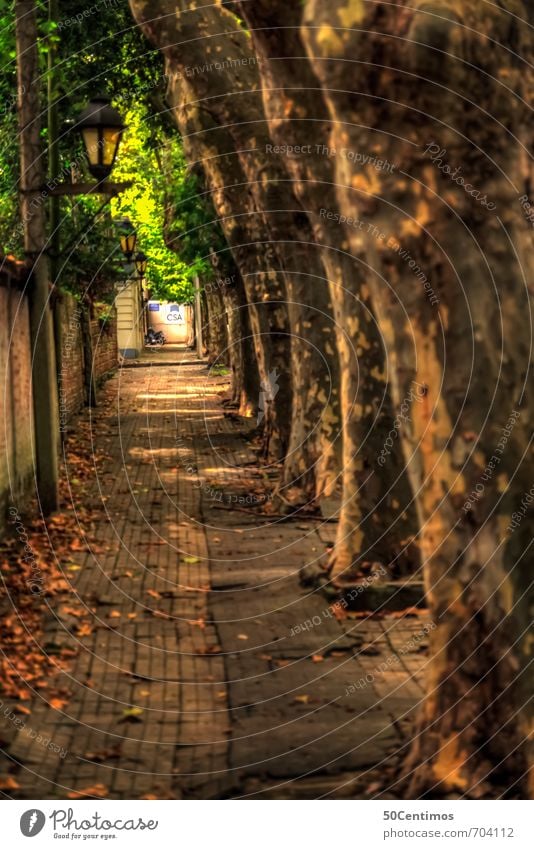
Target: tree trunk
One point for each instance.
(377, 519)
(245, 375)
(216, 327)
(450, 75)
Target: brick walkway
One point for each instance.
(193, 676)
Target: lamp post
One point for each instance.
(127, 238)
(198, 319)
(101, 127)
(141, 262)
(100, 122)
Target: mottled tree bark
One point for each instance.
(377, 519)
(436, 90)
(218, 353)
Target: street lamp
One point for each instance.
(141, 262)
(128, 238)
(101, 127)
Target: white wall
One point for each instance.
(175, 320)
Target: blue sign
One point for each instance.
(153, 307)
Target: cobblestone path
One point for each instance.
(201, 668)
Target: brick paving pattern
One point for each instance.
(192, 677)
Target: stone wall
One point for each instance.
(16, 406)
(16, 409)
(105, 352)
(71, 382)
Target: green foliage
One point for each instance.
(104, 52)
(10, 231)
(169, 276)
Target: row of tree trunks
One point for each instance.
(246, 385)
(228, 336)
(422, 283)
(253, 255)
(222, 119)
(450, 74)
(377, 516)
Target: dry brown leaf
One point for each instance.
(98, 790)
(57, 704)
(73, 611)
(338, 611)
(8, 783)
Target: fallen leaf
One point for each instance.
(132, 714)
(57, 704)
(104, 754)
(338, 611)
(211, 650)
(9, 783)
(408, 611)
(317, 658)
(374, 787)
(98, 790)
(191, 559)
(73, 611)
(303, 699)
